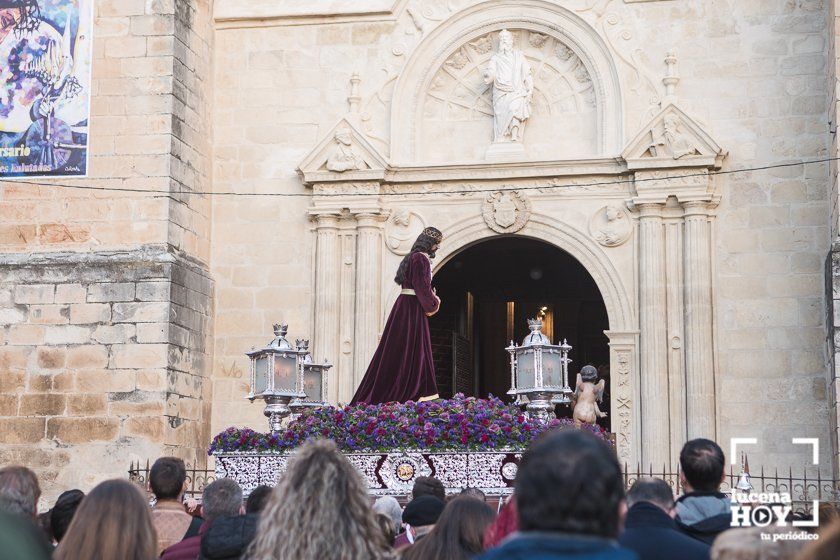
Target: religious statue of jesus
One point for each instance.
(402, 368)
(513, 88)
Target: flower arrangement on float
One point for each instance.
(463, 424)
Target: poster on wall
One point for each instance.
(45, 62)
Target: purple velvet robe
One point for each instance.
(402, 368)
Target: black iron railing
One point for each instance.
(802, 486)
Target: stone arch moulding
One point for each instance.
(535, 15)
(462, 235)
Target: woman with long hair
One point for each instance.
(319, 511)
(402, 368)
(458, 533)
(113, 522)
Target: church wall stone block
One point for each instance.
(102, 352)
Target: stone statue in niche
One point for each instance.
(513, 86)
(343, 157)
(610, 226)
(671, 141)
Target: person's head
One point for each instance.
(589, 374)
(62, 512)
(474, 492)
(458, 533)
(427, 242)
(386, 525)
(168, 478)
(221, 498)
(113, 522)
(388, 505)
(505, 524)
(423, 511)
(748, 544)
(428, 486)
(701, 465)
(319, 506)
(653, 491)
(826, 547)
(592, 500)
(19, 491)
(257, 499)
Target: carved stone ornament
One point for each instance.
(402, 229)
(670, 139)
(610, 226)
(506, 211)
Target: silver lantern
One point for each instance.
(539, 372)
(314, 381)
(277, 376)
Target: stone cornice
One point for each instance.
(266, 13)
(473, 172)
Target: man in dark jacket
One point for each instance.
(221, 498)
(650, 530)
(228, 537)
(570, 499)
(703, 512)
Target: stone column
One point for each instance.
(676, 357)
(653, 375)
(699, 362)
(368, 288)
(325, 333)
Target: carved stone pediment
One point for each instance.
(343, 154)
(673, 139)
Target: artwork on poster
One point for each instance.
(45, 77)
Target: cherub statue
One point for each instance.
(587, 396)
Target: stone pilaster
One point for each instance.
(653, 375)
(700, 379)
(674, 296)
(347, 310)
(624, 386)
(368, 291)
(325, 335)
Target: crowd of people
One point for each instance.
(569, 501)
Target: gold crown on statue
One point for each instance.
(434, 233)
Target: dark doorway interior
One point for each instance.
(488, 292)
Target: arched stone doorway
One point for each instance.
(490, 289)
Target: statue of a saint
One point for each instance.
(513, 87)
(587, 396)
(671, 142)
(343, 158)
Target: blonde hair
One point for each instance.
(113, 522)
(319, 511)
(747, 544)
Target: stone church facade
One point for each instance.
(663, 154)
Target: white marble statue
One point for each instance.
(513, 87)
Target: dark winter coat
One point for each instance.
(704, 515)
(554, 546)
(653, 535)
(229, 537)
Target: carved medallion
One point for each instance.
(610, 226)
(402, 229)
(506, 211)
